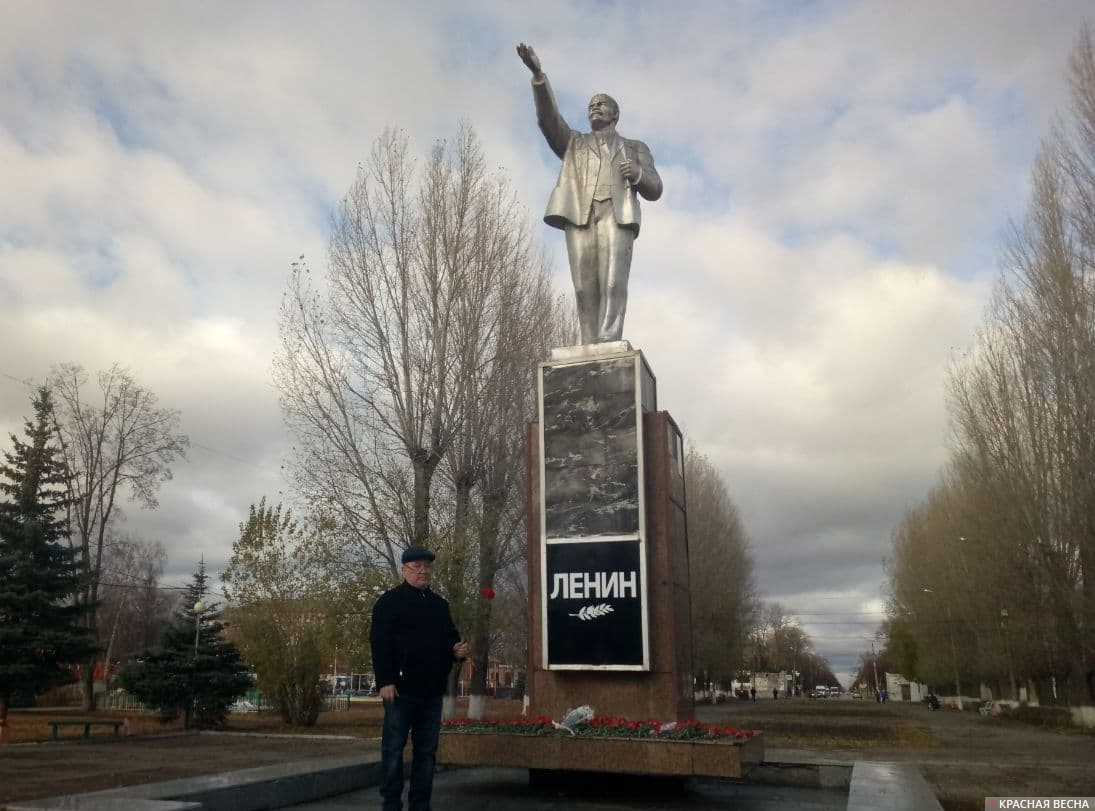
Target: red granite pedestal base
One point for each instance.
(730, 759)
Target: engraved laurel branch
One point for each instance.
(592, 612)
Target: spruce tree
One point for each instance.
(195, 671)
(40, 631)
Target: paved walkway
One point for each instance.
(964, 757)
(508, 790)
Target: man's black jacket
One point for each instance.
(412, 638)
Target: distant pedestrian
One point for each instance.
(775, 692)
(753, 693)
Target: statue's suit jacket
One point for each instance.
(572, 196)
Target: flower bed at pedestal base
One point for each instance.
(698, 758)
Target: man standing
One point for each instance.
(414, 644)
(595, 201)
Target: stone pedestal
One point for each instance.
(609, 622)
(727, 759)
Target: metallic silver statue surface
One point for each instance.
(595, 201)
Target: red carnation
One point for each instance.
(488, 592)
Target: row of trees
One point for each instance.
(104, 441)
(778, 643)
(734, 632)
(61, 566)
(993, 576)
(179, 660)
(720, 566)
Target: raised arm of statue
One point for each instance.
(531, 60)
(552, 124)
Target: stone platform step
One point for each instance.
(254, 789)
(650, 756)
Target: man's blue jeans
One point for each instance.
(419, 716)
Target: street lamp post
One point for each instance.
(874, 664)
(199, 607)
(1007, 651)
(794, 672)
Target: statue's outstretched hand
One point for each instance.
(529, 57)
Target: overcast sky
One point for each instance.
(838, 178)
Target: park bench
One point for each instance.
(86, 724)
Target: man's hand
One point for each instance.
(388, 692)
(528, 56)
(460, 650)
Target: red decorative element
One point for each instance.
(601, 726)
(487, 592)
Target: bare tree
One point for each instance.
(379, 371)
(1024, 406)
(936, 599)
(134, 608)
(485, 465)
(724, 600)
(419, 347)
(1002, 554)
(783, 638)
(123, 442)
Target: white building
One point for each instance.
(901, 689)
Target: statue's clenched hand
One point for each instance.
(531, 60)
(631, 171)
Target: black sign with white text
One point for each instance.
(594, 596)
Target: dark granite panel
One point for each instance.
(591, 453)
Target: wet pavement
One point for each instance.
(509, 790)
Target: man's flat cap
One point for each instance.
(414, 553)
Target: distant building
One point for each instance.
(502, 679)
(901, 689)
(766, 682)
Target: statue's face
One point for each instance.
(603, 111)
